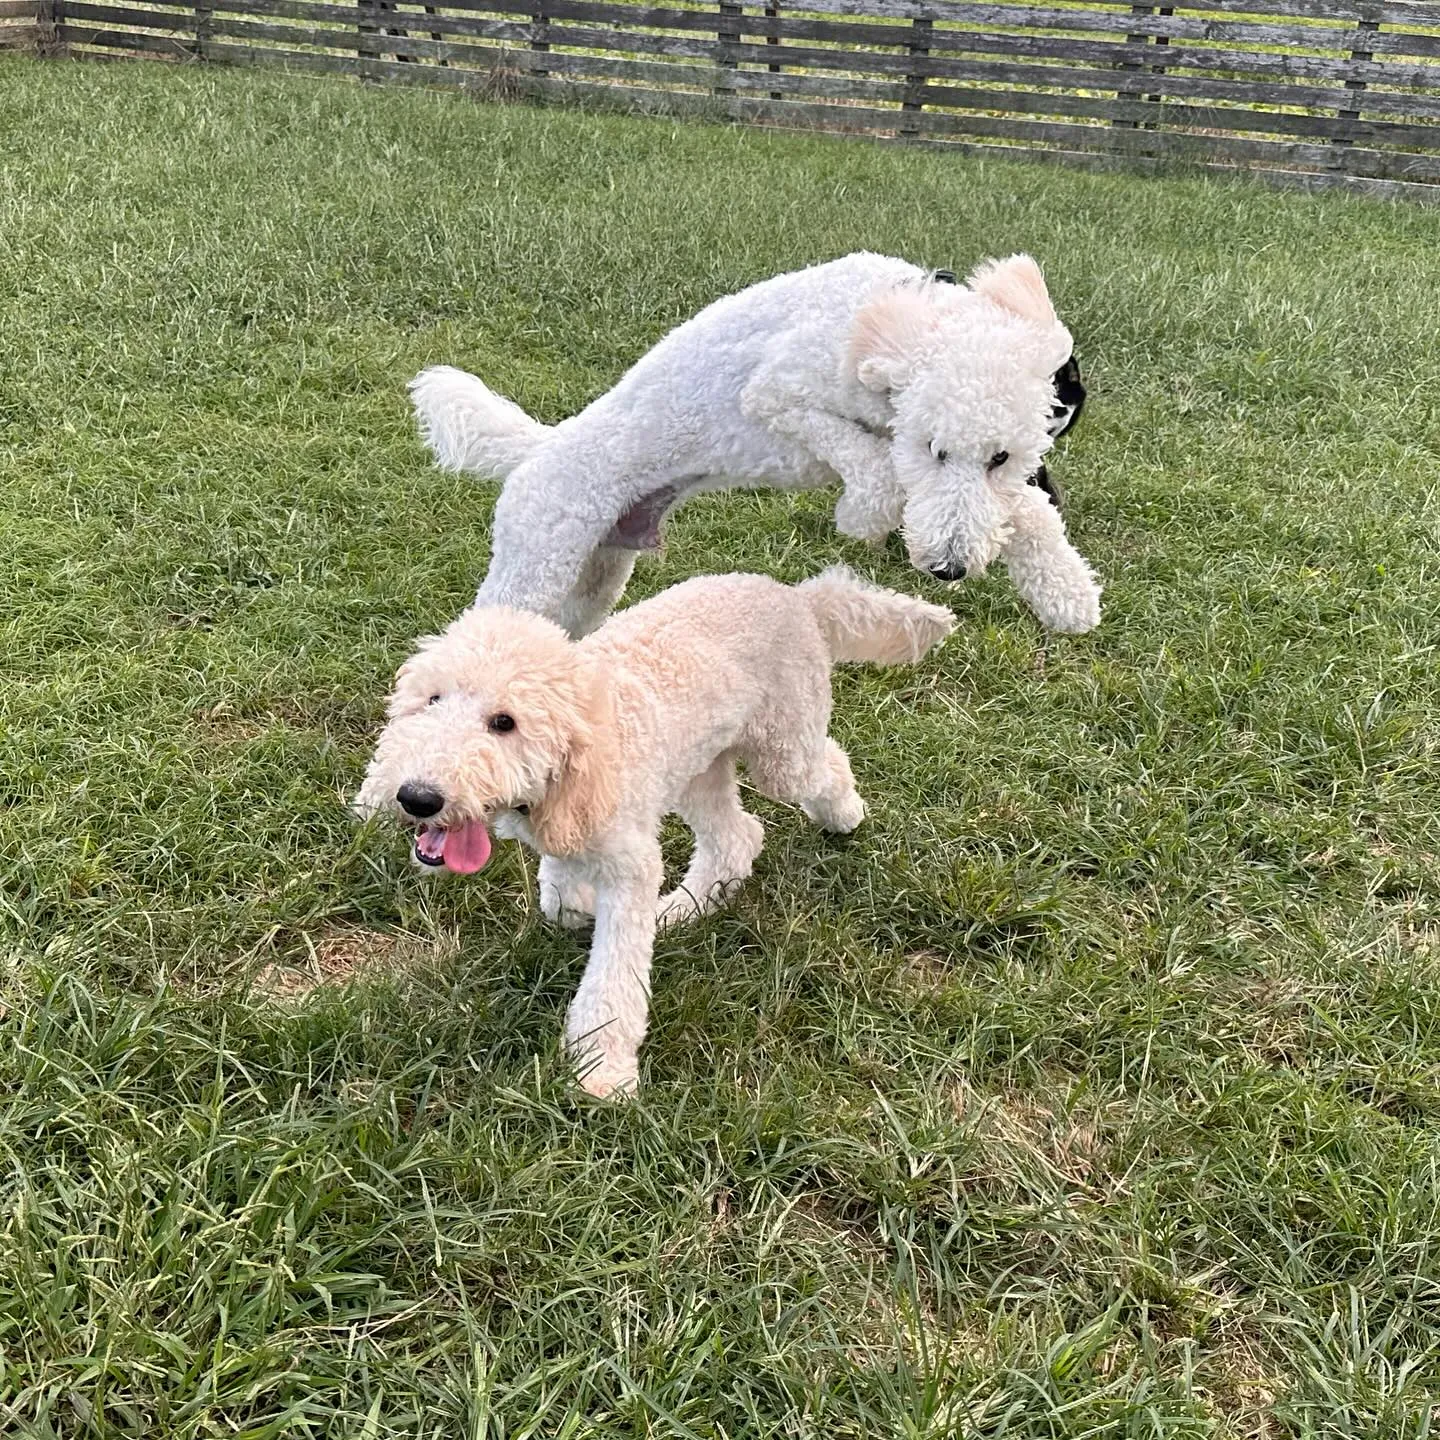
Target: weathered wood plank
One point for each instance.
(1286, 179)
(1397, 12)
(1028, 18)
(148, 16)
(997, 72)
(340, 35)
(986, 17)
(172, 47)
(18, 10)
(19, 37)
(1197, 148)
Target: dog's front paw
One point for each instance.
(840, 816)
(867, 515)
(675, 909)
(607, 1076)
(570, 904)
(1069, 609)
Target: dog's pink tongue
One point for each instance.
(467, 848)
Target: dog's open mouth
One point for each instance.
(461, 848)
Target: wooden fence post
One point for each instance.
(542, 23)
(366, 9)
(1158, 42)
(435, 35)
(203, 16)
(49, 41)
(915, 82)
(1368, 25)
(1123, 94)
(772, 12)
(727, 36)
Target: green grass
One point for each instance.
(1092, 1089)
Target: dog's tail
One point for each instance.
(468, 426)
(860, 621)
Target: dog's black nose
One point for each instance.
(420, 801)
(948, 572)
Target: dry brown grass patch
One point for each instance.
(344, 954)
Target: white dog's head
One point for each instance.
(501, 716)
(970, 374)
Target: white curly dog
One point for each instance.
(932, 403)
(581, 748)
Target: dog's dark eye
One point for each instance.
(941, 455)
(997, 459)
(434, 700)
(502, 722)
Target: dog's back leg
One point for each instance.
(809, 770)
(602, 582)
(727, 840)
(827, 793)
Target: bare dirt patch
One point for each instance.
(345, 954)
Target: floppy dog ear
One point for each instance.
(888, 335)
(1016, 285)
(585, 792)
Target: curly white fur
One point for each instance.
(580, 749)
(866, 369)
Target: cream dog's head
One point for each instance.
(501, 715)
(970, 375)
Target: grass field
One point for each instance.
(1092, 1089)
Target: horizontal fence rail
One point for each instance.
(1306, 92)
(21, 26)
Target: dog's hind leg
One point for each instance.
(815, 776)
(833, 802)
(727, 840)
(602, 582)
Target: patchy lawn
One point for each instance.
(1089, 1090)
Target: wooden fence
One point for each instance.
(1307, 92)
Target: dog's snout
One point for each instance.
(948, 572)
(420, 801)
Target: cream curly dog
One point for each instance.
(581, 748)
(932, 403)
